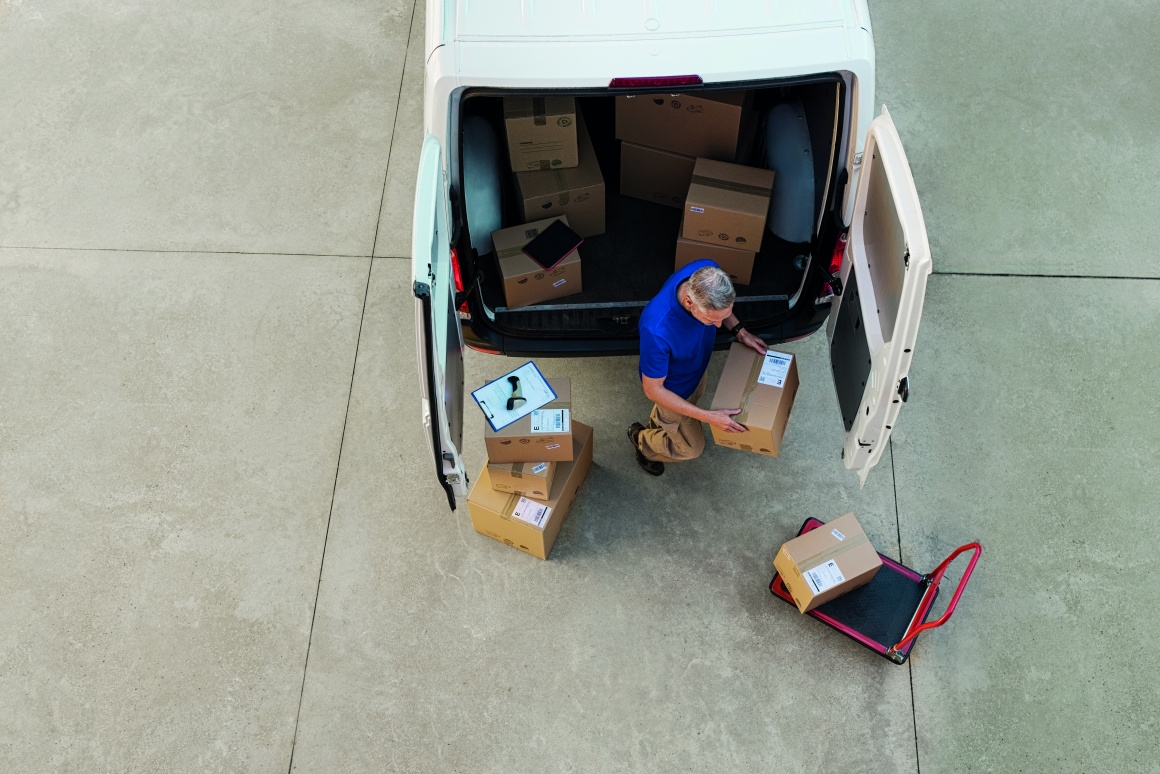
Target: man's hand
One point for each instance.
(722, 419)
(749, 340)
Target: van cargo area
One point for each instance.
(626, 265)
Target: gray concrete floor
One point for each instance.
(221, 548)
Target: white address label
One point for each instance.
(774, 369)
(532, 512)
(551, 421)
(824, 576)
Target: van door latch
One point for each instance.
(904, 388)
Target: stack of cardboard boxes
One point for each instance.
(677, 150)
(534, 468)
(556, 176)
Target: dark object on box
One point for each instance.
(891, 608)
(553, 244)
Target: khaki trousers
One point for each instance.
(673, 437)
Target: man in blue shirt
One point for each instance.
(677, 331)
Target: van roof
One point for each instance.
(604, 19)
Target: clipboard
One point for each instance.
(493, 397)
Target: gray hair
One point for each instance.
(711, 289)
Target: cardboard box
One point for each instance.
(531, 479)
(577, 192)
(764, 389)
(544, 435)
(827, 562)
(655, 175)
(524, 523)
(525, 281)
(705, 125)
(541, 132)
(727, 204)
(738, 264)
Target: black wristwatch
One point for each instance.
(733, 331)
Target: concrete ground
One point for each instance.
(222, 547)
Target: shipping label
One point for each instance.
(551, 421)
(824, 577)
(774, 369)
(540, 468)
(532, 512)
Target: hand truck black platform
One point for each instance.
(891, 608)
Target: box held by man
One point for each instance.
(764, 389)
(528, 524)
(827, 562)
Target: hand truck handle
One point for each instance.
(935, 578)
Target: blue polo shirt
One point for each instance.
(673, 343)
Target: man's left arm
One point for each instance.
(744, 336)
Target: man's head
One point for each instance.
(708, 295)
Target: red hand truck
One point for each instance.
(891, 608)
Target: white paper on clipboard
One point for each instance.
(492, 397)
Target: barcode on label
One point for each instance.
(696, 209)
(540, 468)
(837, 534)
(558, 283)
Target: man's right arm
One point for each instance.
(655, 390)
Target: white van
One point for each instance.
(862, 266)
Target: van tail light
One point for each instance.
(832, 286)
(838, 255)
(456, 272)
(662, 82)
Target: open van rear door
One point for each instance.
(438, 333)
(874, 323)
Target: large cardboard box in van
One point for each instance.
(705, 125)
(727, 204)
(521, 522)
(545, 435)
(655, 175)
(827, 562)
(525, 281)
(577, 192)
(764, 389)
(531, 479)
(541, 132)
(738, 264)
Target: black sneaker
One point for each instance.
(647, 465)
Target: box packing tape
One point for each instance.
(750, 387)
(729, 185)
(810, 562)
